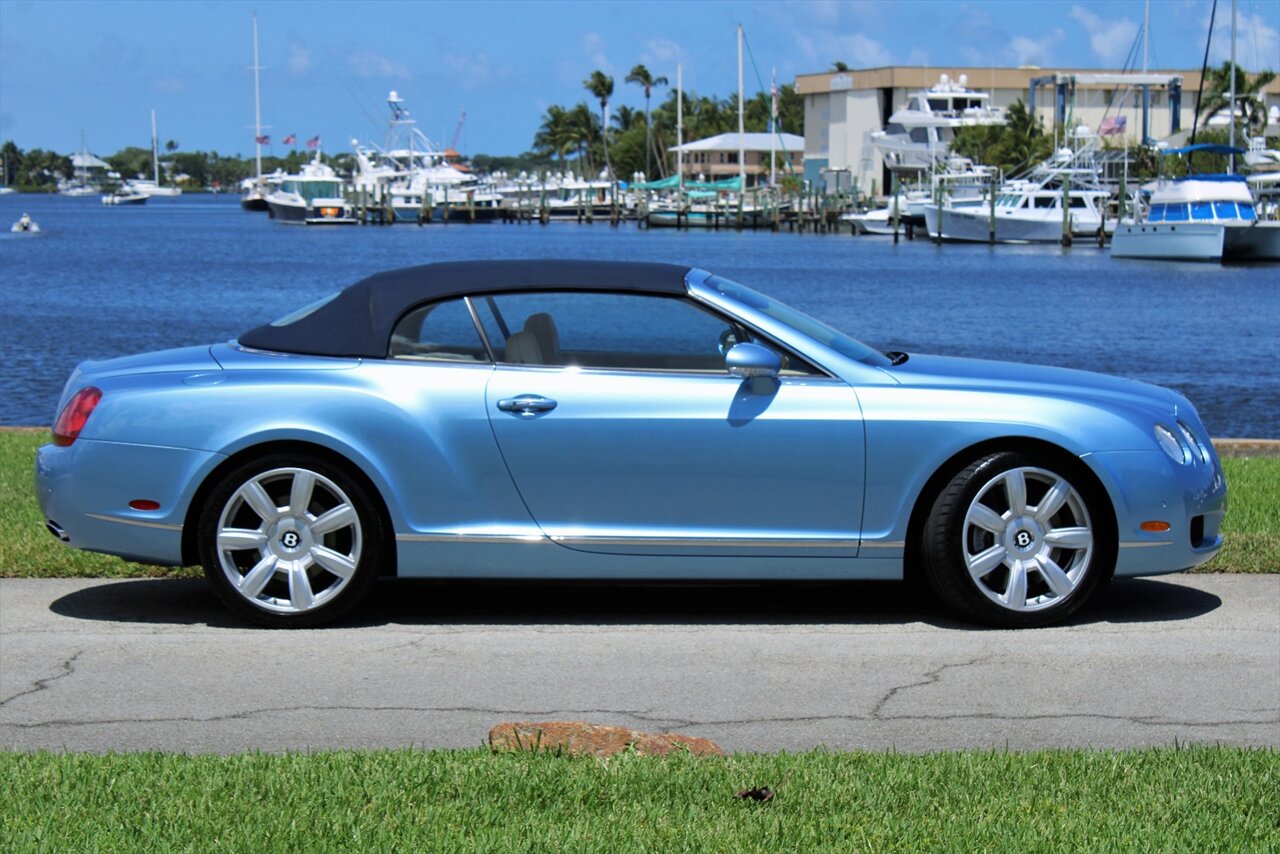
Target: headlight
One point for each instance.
(1193, 442)
(1169, 443)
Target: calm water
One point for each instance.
(101, 282)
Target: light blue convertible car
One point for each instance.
(594, 420)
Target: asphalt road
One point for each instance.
(158, 665)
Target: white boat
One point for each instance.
(150, 187)
(25, 225)
(1062, 195)
(256, 189)
(922, 132)
(1199, 218)
(5, 189)
(125, 195)
(873, 222)
(82, 162)
(412, 180)
(312, 197)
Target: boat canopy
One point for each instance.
(1211, 147)
(672, 182)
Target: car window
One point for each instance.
(440, 332)
(615, 331)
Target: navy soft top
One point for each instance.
(358, 322)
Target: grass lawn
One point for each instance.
(1166, 799)
(1251, 530)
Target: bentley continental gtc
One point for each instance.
(597, 420)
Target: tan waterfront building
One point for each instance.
(842, 108)
(716, 157)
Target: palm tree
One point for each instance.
(555, 134)
(601, 85)
(641, 76)
(1253, 112)
(582, 129)
(625, 118)
(839, 67)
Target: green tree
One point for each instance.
(839, 67)
(555, 136)
(1249, 101)
(645, 79)
(1018, 144)
(600, 85)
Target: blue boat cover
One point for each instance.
(1211, 147)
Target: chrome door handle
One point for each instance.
(526, 405)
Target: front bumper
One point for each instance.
(1147, 486)
(84, 492)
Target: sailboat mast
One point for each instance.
(680, 128)
(741, 142)
(257, 105)
(1146, 34)
(155, 151)
(1231, 110)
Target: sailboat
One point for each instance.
(255, 197)
(150, 187)
(1201, 217)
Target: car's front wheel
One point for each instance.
(290, 540)
(1016, 540)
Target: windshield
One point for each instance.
(803, 323)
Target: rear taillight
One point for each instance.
(74, 415)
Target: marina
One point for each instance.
(200, 269)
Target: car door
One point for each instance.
(624, 433)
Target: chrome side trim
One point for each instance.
(471, 538)
(709, 542)
(704, 542)
(1144, 545)
(884, 544)
(141, 523)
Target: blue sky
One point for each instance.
(102, 66)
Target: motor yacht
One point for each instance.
(922, 132)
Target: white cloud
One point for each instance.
(820, 50)
(1029, 51)
(299, 59)
(594, 48)
(474, 71)
(661, 55)
(1257, 42)
(371, 65)
(1110, 40)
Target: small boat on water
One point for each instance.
(125, 194)
(1199, 218)
(312, 197)
(25, 225)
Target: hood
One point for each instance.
(951, 372)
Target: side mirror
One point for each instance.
(749, 361)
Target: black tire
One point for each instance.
(301, 568)
(1018, 540)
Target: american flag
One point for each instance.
(265, 139)
(291, 139)
(1112, 126)
(314, 142)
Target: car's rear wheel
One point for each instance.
(290, 540)
(1016, 540)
